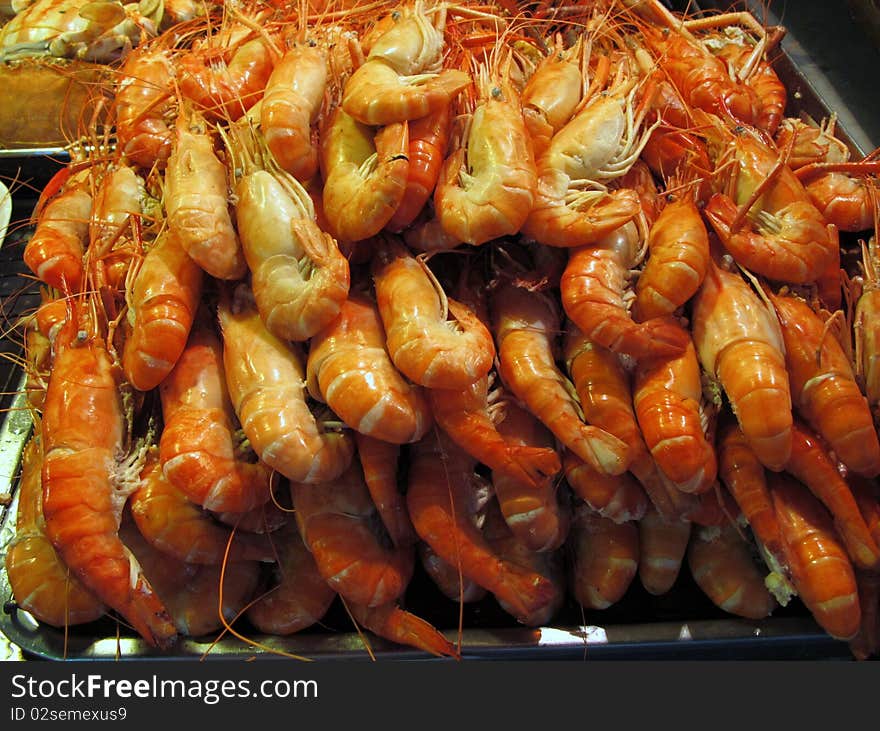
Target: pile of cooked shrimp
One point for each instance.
(531, 301)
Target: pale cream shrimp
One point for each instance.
(428, 348)
(403, 77)
(525, 326)
(349, 369)
(298, 275)
(601, 142)
(365, 174)
(487, 185)
(266, 380)
(197, 201)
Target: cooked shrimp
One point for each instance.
(764, 216)
(811, 464)
(365, 174)
(601, 142)
(592, 289)
(426, 347)
(442, 488)
(534, 513)
(739, 344)
(821, 570)
(605, 393)
(266, 379)
(662, 548)
(41, 583)
(746, 480)
(290, 107)
(298, 597)
(198, 449)
(380, 461)
(402, 77)
(84, 484)
(469, 417)
(392, 623)
(667, 394)
(338, 524)
(679, 257)
(145, 106)
(547, 563)
(617, 497)
(173, 525)
(298, 275)
(54, 251)
(487, 185)
(525, 326)
(604, 558)
(428, 139)
(824, 387)
(193, 592)
(447, 578)
(196, 201)
(721, 564)
(349, 369)
(162, 303)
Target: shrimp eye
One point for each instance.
(82, 336)
(496, 93)
(395, 16)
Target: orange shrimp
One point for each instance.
(84, 484)
(428, 139)
(40, 581)
(175, 526)
(842, 198)
(701, 78)
(744, 476)
(820, 568)
(198, 447)
(379, 461)
(402, 77)
(811, 464)
(600, 143)
(37, 362)
(193, 592)
(605, 393)
(266, 380)
(299, 277)
(54, 251)
(604, 558)
(671, 151)
(679, 257)
(442, 488)
(662, 548)
(404, 628)
(740, 347)
(764, 216)
(163, 298)
(468, 416)
(667, 395)
(349, 369)
(548, 563)
(298, 597)
(365, 174)
(533, 512)
(866, 643)
(867, 495)
(809, 142)
(225, 81)
(290, 107)
(525, 326)
(425, 346)
(145, 106)
(487, 185)
(592, 289)
(337, 522)
(447, 578)
(196, 201)
(866, 332)
(824, 387)
(617, 497)
(721, 564)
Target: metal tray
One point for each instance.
(682, 624)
